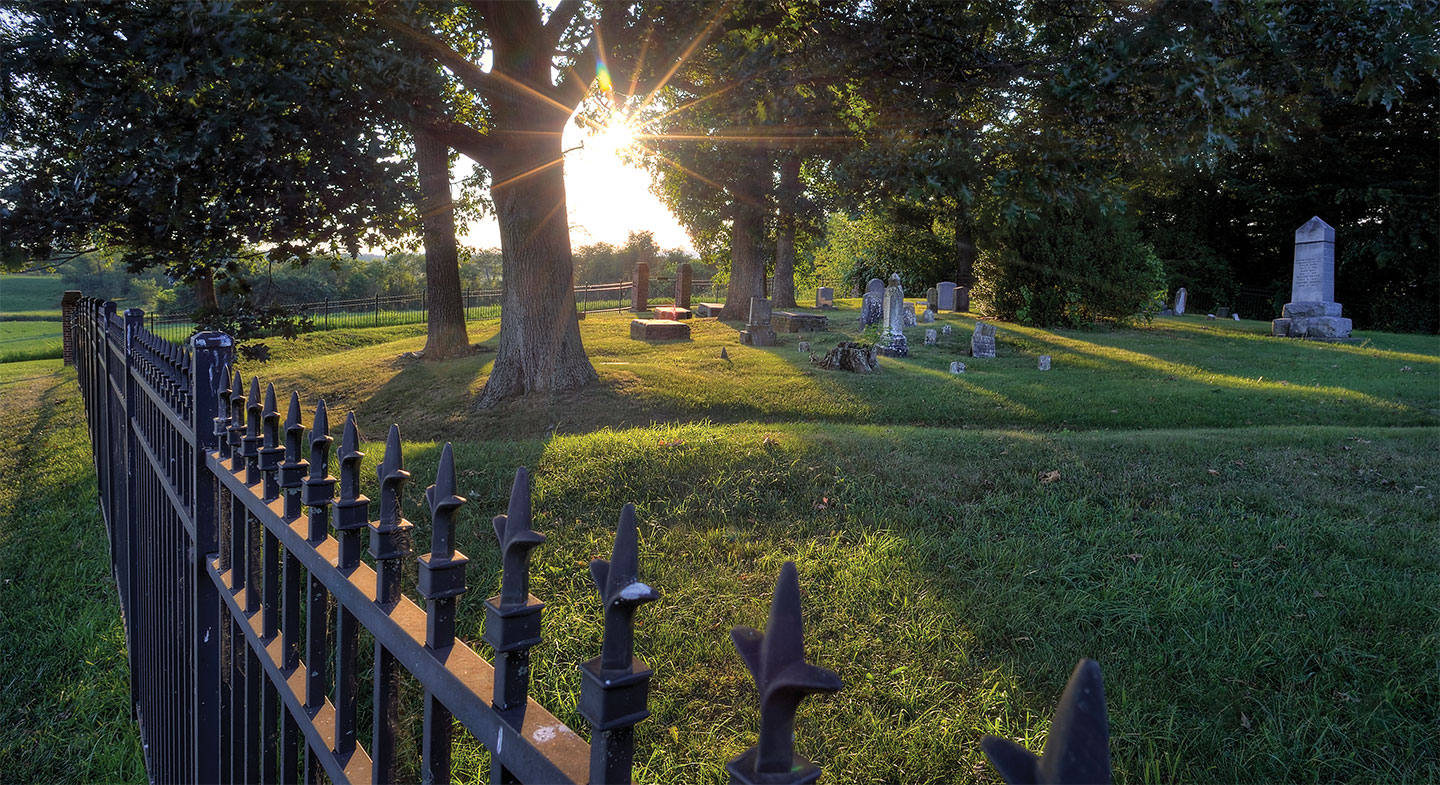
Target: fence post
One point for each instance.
(377, 310)
(129, 514)
(213, 353)
(68, 301)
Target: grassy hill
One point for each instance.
(1242, 530)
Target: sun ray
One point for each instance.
(685, 56)
(527, 173)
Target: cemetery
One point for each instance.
(770, 393)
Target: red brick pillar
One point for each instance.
(68, 302)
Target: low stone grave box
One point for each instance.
(658, 330)
(709, 310)
(671, 312)
(791, 322)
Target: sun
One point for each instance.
(617, 137)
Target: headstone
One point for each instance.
(946, 330)
(804, 346)
(945, 296)
(1235, 316)
(792, 322)
(672, 312)
(907, 312)
(875, 286)
(928, 317)
(825, 297)
(757, 330)
(1312, 311)
(683, 277)
(892, 337)
(932, 298)
(1180, 296)
(871, 310)
(1222, 312)
(640, 288)
(1210, 316)
(710, 310)
(658, 329)
(1043, 363)
(957, 367)
(930, 338)
(962, 297)
(982, 341)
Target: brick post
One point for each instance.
(68, 302)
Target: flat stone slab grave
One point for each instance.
(791, 322)
(709, 310)
(658, 329)
(671, 312)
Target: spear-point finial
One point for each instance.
(622, 592)
(237, 400)
(517, 539)
(350, 457)
(776, 659)
(393, 477)
(1078, 748)
(444, 499)
(254, 395)
(320, 441)
(271, 415)
(293, 429)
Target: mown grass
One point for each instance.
(65, 714)
(1255, 568)
(31, 293)
(30, 340)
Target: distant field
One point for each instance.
(34, 296)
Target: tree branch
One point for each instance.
(559, 20)
(471, 75)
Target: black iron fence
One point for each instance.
(237, 556)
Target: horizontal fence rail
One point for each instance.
(239, 562)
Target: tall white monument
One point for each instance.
(1312, 311)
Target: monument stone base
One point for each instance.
(756, 335)
(1316, 320)
(893, 345)
(658, 330)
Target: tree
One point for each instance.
(190, 137)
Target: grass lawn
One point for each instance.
(31, 295)
(30, 340)
(1242, 530)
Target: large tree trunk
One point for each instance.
(784, 294)
(747, 239)
(540, 348)
(964, 248)
(445, 325)
(205, 289)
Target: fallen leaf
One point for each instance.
(1048, 477)
(1212, 471)
(1244, 721)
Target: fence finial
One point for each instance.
(444, 500)
(292, 470)
(622, 592)
(237, 423)
(222, 415)
(390, 535)
(1078, 748)
(776, 659)
(352, 512)
(442, 571)
(517, 539)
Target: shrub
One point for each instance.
(1073, 266)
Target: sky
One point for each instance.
(606, 197)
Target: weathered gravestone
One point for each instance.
(804, 346)
(945, 296)
(946, 329)
(710, 310)
(658, 329)
(930, 338)
(928, 317)
(792, 322)
(757, 330)
(640, 288)
(871, 310)
(982, 341)
(684, 276)
(932, 298)
(1312, 311)
(1180, 295)
(825, 298)
(1043, 363)
(892, 336)
(907, 311)
(875, 286)
(957, 367)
